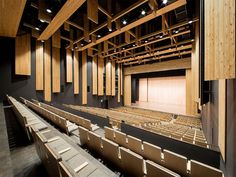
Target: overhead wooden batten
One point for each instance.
(66, 11)
(147, 18)
(10, 15)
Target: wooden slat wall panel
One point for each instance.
(100, 76)
(220, 39)
(113, 78)
(222, 116)
(39, 65)
(23, 55)
(56, 70)
(92, 10)
(69, 66)
(119, 83)
(56, 39)
(189, 94)
(84, 77)
(76, 72)
(127, 90)
(121, 80)
(108, 78)
(47, 71)
(95, 76)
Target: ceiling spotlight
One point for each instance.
(190, 22)
(42, 20)
(37, 28)
(192, 40)
(49, 10)
(99, 36)
(161, 36)
(82, 44)
(146, 41)
(143, 12)
(42, 40)
(176, 31)
(124, 22)
(110, 29)
(165, 1)
(72, 49)
(123, 48)
(133, 45)
(89, 40)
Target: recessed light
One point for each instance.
(42, 40)
(89, 40)
(72, 49)
(49, 10)
(123, 48)
(110, 29)
(161, 36)
(190, 22)
(82, 44)
(176, 31)
(124, 22)
(42, 20)
(165, 1)
(99, 36)
(37, 28)
(146, 41)
(134, 45)
(192, 40)
(143, 12)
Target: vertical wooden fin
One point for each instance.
(92, 10)
(84, 77)
(108, 78)
(47, 71)
(127, 90)
(76, 72)
(100, 76)
(95, 76)
(39, 65)
(113, 78)
(56, 80)
(56, 39)
(68, 66)
(86, 28)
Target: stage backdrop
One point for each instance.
(167, 94)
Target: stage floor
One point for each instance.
(170, 108)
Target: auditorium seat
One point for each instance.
(135, 145)
(175, 162)
(120, 138)
(94, 142)
(199, 170)
(110, 152)
(155, 170)
(83, 134)
(109, 133)
(152, 152)
(132, 163)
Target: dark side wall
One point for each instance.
(210, 123)
(24, 86)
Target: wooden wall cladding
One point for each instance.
(119, 83)
(108, 78)
(56, 39)
(56, 70)
(220, 39)
(23, 55)
(113, 78)
(39, 65)
(95, 75)
(127, 90)
(189, 92)
(47, 71)
(121, 79)
(69, 66)
(100, 76)
(76, 72)
(222, 116)
(84, 77)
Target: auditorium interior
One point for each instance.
(117, 88)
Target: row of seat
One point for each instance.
(188, 121)
(26, 118)
(168, 159)
(59, 157)
(123, 158)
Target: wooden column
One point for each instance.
(47, 71)
(119, 83)
(84, 77)
(39, 65)
(68, 66)
(95, 76)
(108, 78)
(113, 78)
(76, 72)
(127, 90)
(100, 76)
(56, 80)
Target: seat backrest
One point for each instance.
(86, 124)
(152, 152)
(109, 133)
(132, 163)
(175, 162)
(83, 133)
(154, 170)
(110, 152)
(120, 138)
(135, 144)
(199, 169)
(66, 171)
(94, 142)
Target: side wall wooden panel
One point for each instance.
(127, 90)
(100, 76)
(119, 83)
(56, 39)
(69, 66)
(95, 76)
(222, 116)
(113, 78)
(84, 77)
(56, 70)
(39, 65)
(189, 92)
(47, 71)
(220, 58)
(108, 78)
(121, 80)
(23, 55)
(76, 72)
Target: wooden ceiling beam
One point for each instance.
(104, 11)
(75, 25)
(10, 15)
(142, 20)
(92, 10)
(65, 12)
